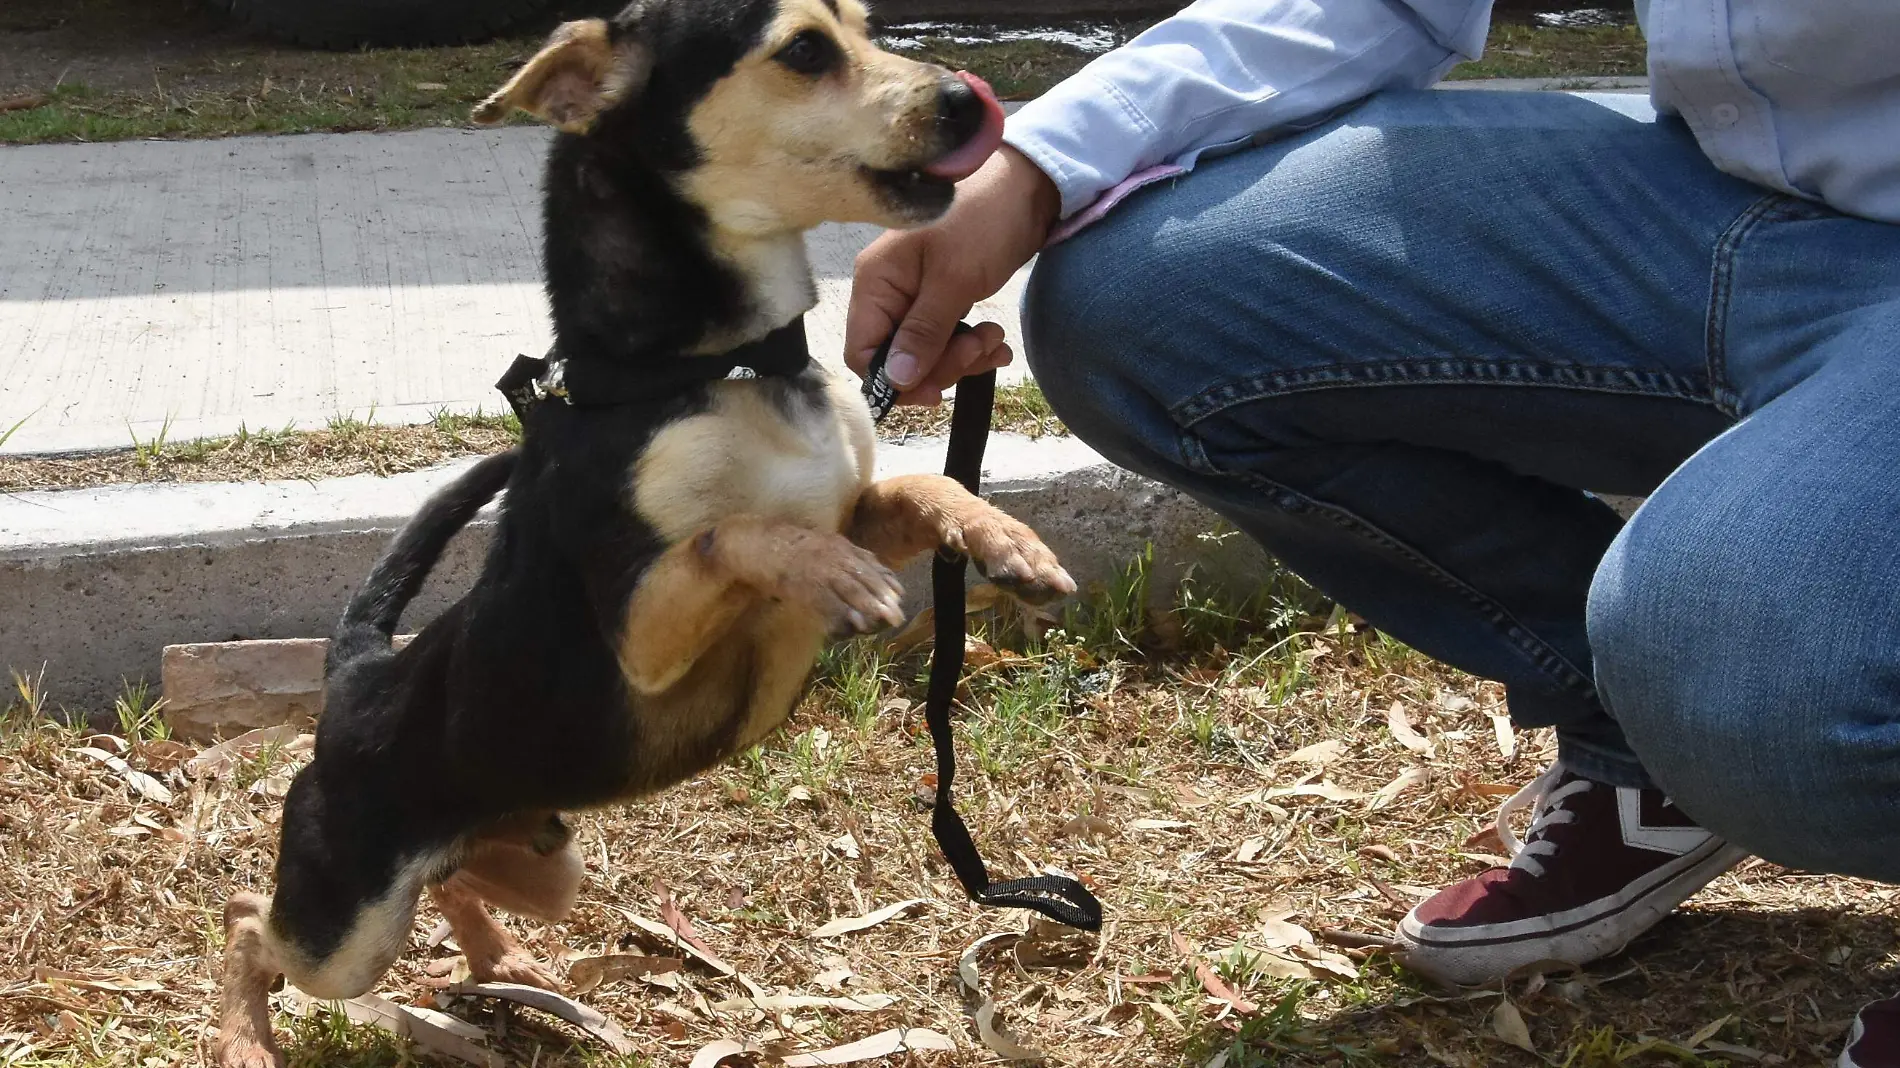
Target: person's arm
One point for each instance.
(1220, 72)
(1228, 71)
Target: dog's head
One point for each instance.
(773, 115)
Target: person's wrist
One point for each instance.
(1035, 188)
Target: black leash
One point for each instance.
(1061, 899)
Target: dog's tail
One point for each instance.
(370, 621)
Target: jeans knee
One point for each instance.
(1056, 340)
(1091, 365)
(1757, 731)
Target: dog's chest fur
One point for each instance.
(797, 450)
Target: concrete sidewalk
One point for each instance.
(190, 287)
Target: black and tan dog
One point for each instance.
(665, 570)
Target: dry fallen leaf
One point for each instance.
(1211, 982)
(882, 1044)
(587, 1019)
(668, 937)
(1087, 827)
(433, 1031)
(1410, 777)
(271, 786)
(1318, 753)
(1402, 731)
(777, 1003)
(1326, 789)
(215, 760)
(1508, 1024)
(1707, 1033)
(589, 972)
(108, 983)
(999, 1041)
(1276, 933)
(1506, 738)
(142, 784)
(431, 87)
(1269, 963)
(1740, 1053)
(1250, 849)
(995, 1038)
(847, 844)
(1327, 962)
(836, 974)
(1048, 944)
(1158, 825)
(681, 926)
(848, 924)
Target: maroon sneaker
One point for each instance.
(1875, 1040)
(1599, 866)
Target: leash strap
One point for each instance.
(1061, 899)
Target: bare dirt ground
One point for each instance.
(1245, 799)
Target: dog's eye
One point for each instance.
(810, 52)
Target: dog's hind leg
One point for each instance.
(900, 518)
(250, 967)
(694, 592)
(528, 867)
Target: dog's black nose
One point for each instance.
(960, 111)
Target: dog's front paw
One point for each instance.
(846, 585)
(513, 966)
(1010, 554)
(242, 1048)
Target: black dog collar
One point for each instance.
(597, 383)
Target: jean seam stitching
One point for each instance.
(1540, 653)
(1217, 399)
(1721, 290)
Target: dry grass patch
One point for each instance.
(1217, 772)
(358, 447)
(346, 447)
(1020, 409)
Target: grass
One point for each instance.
(1019, 409)
(1516, 50)
(269, 91)
(257, 89)
(1133, 742)
(351, 446)
(347, 446)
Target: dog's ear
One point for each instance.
(575, 76)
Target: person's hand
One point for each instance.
(919, 283)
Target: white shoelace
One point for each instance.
(1545, 801)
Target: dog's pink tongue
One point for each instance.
(964, 160)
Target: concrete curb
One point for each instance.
(97, 582)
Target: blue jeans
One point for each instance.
(1401, 350)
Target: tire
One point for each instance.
(345, 24)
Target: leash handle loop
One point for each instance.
(1061, 899)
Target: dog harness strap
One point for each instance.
(1061, 899)
(600, 383)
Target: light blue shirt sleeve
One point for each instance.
(1226, 71)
